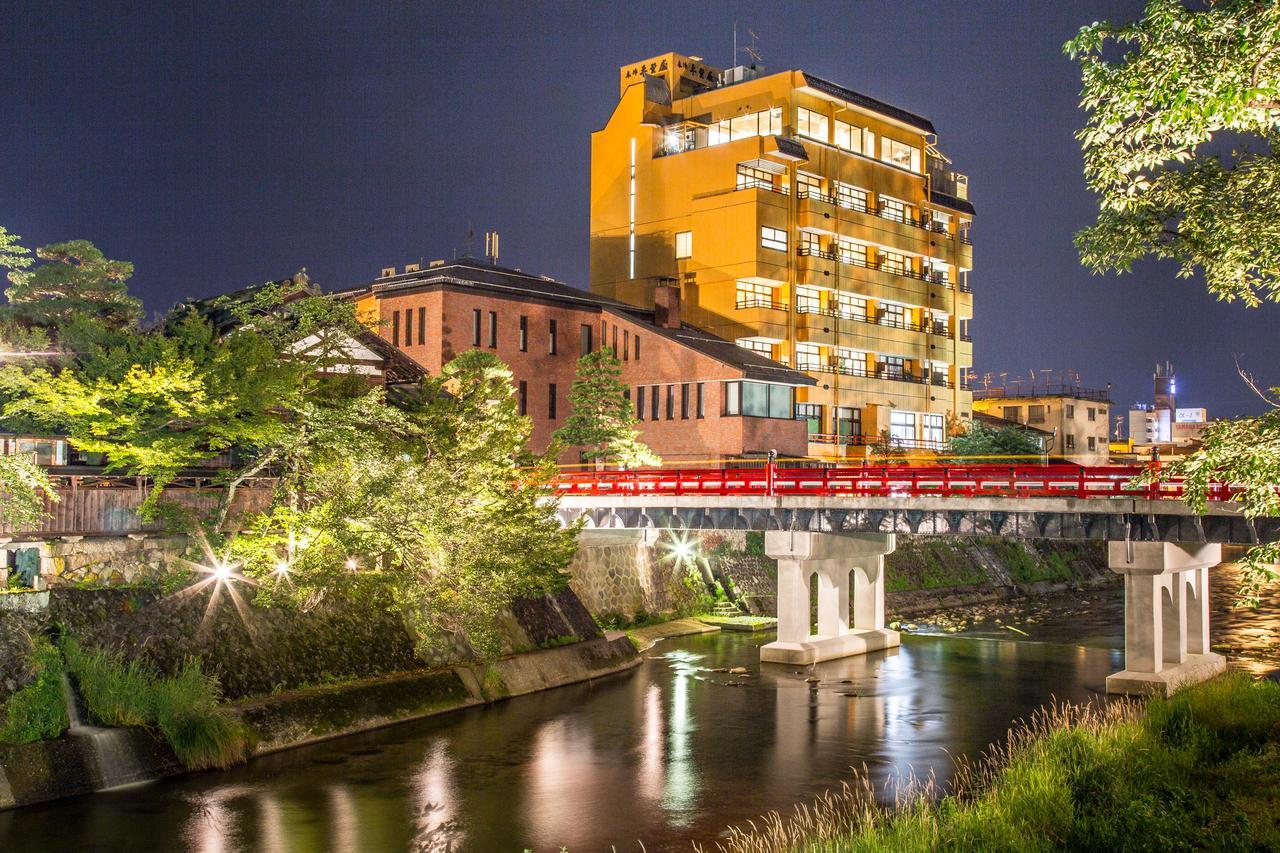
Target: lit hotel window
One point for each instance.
(773, 238)
(684, 244)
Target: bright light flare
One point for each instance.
(351, 563)
(282, 568)
(222, 571)
(682, 548)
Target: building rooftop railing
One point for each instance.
(1014, 392)
(931, 276)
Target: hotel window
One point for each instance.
(524, 334)
(524, 397)
(902, 427)
(475, 327)
(1035, 414)
(893, 366)
(640, 402)
(653, 402)
(808, 356)
(808, 300)
(808, 185)
(894, 263)
(1093, 444)
(1011, 413)
(671, 402)
(408, 327)
(1071, 441)
(851, 307)
(811, 414)
(848, 421)
(684, 401)
(773, 238)
(812, 124)
(765, 348)
(848, 137)
(422, 325)
(749, 176)
(854, 198)
(1071, 411)
(932, 428)
(900, 154)
(762, 123)
(395, 328)
(936, 270)
(637, 347)
(893, 208)
(1092, 413)
(551, 401)
(493, 330)
(851, 252)
(702, 400)
(940, 221)
(684, 244)
(892, 315)
(551, 337)
(852, 362)
(585, 339)
(754, 295)
(810, 243)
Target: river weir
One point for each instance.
(116, 764)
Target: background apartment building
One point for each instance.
(698, 397)
(1077, 416)
(803, 221)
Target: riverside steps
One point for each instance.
(830, 528)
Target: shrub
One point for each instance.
(116, 692)
(202, 734)
(39, 710)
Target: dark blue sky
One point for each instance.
(217, 145)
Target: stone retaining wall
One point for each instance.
(629, 581)
(131, 559)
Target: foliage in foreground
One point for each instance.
(1157, 92)
(184, 708)
(39, 710)
(1200, 770)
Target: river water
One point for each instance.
(667, 754)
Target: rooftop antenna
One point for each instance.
(491, 247)
(751, 50)
(471, 236)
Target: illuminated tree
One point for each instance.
(76, 282)
(601, 417)
(984, 444)
(1157, 92)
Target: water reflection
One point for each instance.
(669, 753)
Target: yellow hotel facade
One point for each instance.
(803, 220)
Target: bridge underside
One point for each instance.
(1013, 524)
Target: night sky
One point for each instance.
(218, 145)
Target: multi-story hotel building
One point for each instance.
(698, 397)
(804, 221)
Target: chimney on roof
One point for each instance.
(666, 304)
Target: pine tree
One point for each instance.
(76, 282)
(601, 418)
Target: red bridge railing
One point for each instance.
(1006, 481)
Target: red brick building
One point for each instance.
(699, 397)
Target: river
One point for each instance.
(666, 754)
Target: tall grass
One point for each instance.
(1199, 770)
(39, 710)
(120, 692)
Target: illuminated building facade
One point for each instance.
(803, 221)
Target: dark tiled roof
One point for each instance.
(792, 148)
(469, 272)
(951, 202)
(1001, 423)
(869, 103)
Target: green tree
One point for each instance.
(76, 282)
(23, 487)
(431, 505)
(981, 444)
(1157, 92)
(14, 256)
(602, 420)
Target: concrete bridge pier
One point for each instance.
(845, 565)
(1166, 616)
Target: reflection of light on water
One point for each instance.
(565, 790)
(271, 830)
(651, 746)
(346, 820)
(681, 792)
(211, 827)
(435, 799)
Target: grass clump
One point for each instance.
(1199, 770)
(184, 707)
(39, 710)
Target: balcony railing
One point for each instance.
(875, 441)
(877, 320)
(761, 302)
(965, 238)
(880, 372)
(745, 183)
(931, 276)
